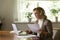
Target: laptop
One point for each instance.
(19, 33)
(16, 30)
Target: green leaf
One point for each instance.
(28, 14)
(54, 11)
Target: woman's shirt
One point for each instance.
(40, 22)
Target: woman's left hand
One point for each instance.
(42, 32)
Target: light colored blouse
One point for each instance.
(40, 22)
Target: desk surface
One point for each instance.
(6, 35)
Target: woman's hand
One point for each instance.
(42, 32)
(28, 31)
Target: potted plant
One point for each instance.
(55, 13)
(29, 16)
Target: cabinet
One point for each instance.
(0, 24)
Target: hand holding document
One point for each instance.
(34, 27)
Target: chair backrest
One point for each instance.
(54, 34)
(15, 29)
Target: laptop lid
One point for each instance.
(15, 29)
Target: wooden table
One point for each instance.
(6, 35)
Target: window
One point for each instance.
(24, 6)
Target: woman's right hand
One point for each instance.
(28, 31)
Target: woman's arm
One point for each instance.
(48, 28)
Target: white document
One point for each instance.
(33, 27)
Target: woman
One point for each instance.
(45, 32)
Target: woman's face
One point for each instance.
(37, 14)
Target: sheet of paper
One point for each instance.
(34, 27)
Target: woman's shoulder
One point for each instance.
(47, 21)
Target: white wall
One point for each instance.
(7, 10)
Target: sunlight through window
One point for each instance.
(24, 6)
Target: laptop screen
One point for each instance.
(15, 29)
